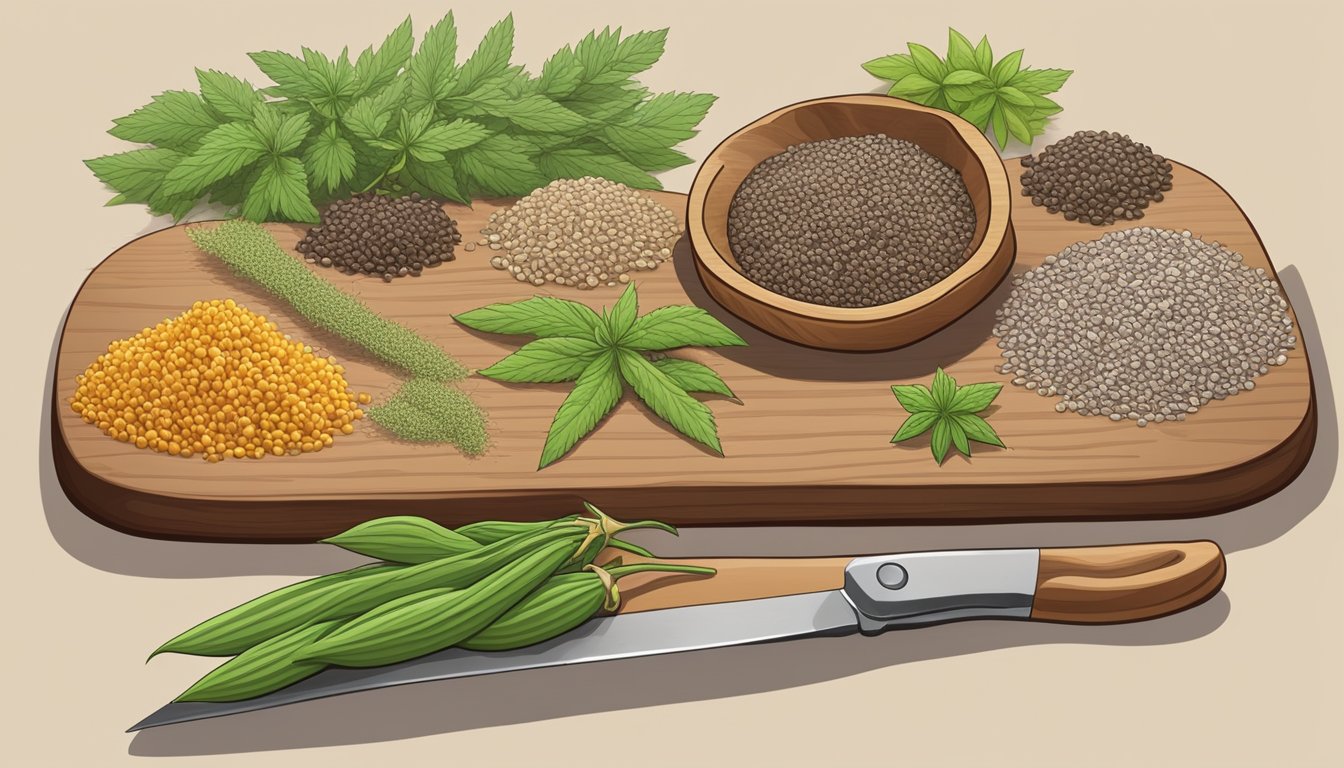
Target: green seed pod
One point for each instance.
(403, 539)
(238, 629)
(563, 603)
(491, 531)
(412, 627)
(261, 669)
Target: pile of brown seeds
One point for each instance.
(382, 236)
(1096, 177)
(580, 232)
(851, 222)
(1144, 324)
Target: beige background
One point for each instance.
(1248, 95)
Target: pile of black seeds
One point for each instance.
(1145, 325)
(1096, 177)
(382, 236)
(851, 222)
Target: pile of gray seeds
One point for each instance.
(1144, 324)
(1096, 177)
(582, 233)
(851, 222)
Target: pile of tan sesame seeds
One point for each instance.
(582, 233)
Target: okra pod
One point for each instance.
(403, 539)
(265, 667)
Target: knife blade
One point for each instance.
(876, 593)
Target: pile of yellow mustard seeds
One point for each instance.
(218, 381)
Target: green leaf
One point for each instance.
(941, 439)
(914, 87)
(670, 118)
(1000, 124)
(577, 163)
(612, 104)
(223, 152)
(446, 137)
(491, 57)
(984, 57)
(436, 179)
(958, 435)
(623, 314)
(501, 166)
(960, 54)
(1017, 123)
(546, 360)
(917, 424)
(1040, 81)
(280, 134)
(968, 93)
(927, 63)
(291, 75)
(538, 113)
(172, 120)
(977, 112)
(1013, 96)
(974, 398)
(330, 159)
(282, 188)
(605, 60)
(231, 97)
(686, 414)
(1043, 107)
(1007, 67)
(432, 72)
(135, 175)
(977, 429)
(368, 117)
(561, 74)
(893, 67)
(543, 316)
(915, 398)
(333, 81)
(376, 69)
(692, 376)
(594, 395)
(965, 77)
(679, 326)
(943, 390)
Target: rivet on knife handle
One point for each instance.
(1101, 585)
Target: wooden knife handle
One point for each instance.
(1102, 585)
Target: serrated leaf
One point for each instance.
(291, 75)
(984, 57)
(974, 398)
(1040, 81)
(501, 166)
(432, 71)
(683, 412)
(280, 133)
(612, 104)
(977, 429)
(281, 188)
(965, 77)
(1017, 123)
(223, 152)
(376, 69)
(927, 63)
(670, 118)
(172, 120)
(543, 316)
(692, 376)
(958, 435)
(435, 180)
(606, 59)
(914, 398)
(135, 175)
(536, 113)
(228, 95)
(546, 361)
(893, 67)
(594, 395)
(941, 439)
(915, 425)
(330, 159)
(1007, 67)
(679, 326)
(1043, 107)
(914, 88)
(943, 389)
(332, 80)
(639, 148)
(368, 117)
(960, 54)
(622, 316)
(491, 57)
(561, 74)
(967, 93)
(577, 163)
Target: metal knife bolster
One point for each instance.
(931, 587)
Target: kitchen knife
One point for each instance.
(753, 600)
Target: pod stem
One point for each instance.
(625, 570)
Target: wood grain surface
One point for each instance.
(807, 443)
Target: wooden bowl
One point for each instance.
(885, 326)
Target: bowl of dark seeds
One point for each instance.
(853, 223)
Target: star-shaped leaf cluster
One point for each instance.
(950, 411)
(602, 354)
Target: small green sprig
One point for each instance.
(970, 83)
(604, 353)
(950, 411)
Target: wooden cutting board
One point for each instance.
(807, 444)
